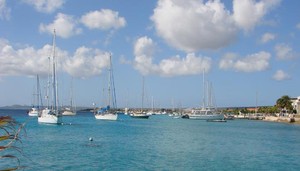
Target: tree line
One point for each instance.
(283, 105)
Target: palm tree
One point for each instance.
(9, 133)
(284, 103)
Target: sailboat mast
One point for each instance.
(152, 105)
(109, 81)
(256, 103)
(40, 102)
(203, 82)
(143, 89)
(54, 80)
(113, 98)
(71, 101)
(209, 95)
(36, 95)
(37, 92)
(48, 83)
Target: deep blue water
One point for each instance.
(158, 143)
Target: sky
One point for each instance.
(248, 50)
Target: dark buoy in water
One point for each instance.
(91, 139)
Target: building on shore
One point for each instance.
(296, 104)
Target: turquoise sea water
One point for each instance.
(158, 143)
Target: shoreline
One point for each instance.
(294, 120)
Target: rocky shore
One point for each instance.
(295, 119)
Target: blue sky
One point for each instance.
(249, 50)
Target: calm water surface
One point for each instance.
(159, 143)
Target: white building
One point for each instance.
(296, 104)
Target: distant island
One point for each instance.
(27, 107)
(16, 107)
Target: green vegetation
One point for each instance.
(9, 134)
(284, 103)
(268, 110)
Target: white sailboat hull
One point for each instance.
(141, 115)
(48, 117)
(33, 112)
(68, 112)
(107, 116)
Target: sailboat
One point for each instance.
(151, 112)
(106, 113)
(51, 114)
(208, 111)
(70, 110)
(34, 111)
(140, 114)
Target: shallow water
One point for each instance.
(158, 143)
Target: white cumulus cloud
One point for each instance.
(45, 6)
(144, 49)
(228, 61)
(193, 25)
(4, 10)
(189, 65)
(144, 46)
(267, 37)
(29, 61)
(87, 62)
(104, 19)
(280, 75)
(25, 61)
(65, 26)
(248, 13)
(251, 63)
(284, 51)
